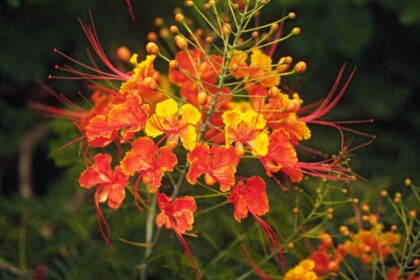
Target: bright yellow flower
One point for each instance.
(174, 123)
(303, 271)
(246, 128)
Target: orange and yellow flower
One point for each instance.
(111, 183)
(218, 164)
(246, 128)
(176, 214)
(303, 271)
(166, 121)
(150, 161)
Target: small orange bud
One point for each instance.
(290, 246)
(179, 17)
(158, 21)
(413, 213)
(300, 67)
(164, 32)
(212, 3)
(173, 29)
(207, 6)
(407, 182)
(189, 3)
(209, 39)
(152, 36)
(296, 31)
(275, 26)
(255, 34)
(150, 83)
(173, 64)
(123, 54)
(326, 239)
(283, 67)
(273, 92)
(152, 48)
(209, 180)
(365, 208)
(202, 97)
(416, 262)
(181, 42)
(394, 228)
(226, 28)
(234, 67)
(384, 193)
(295, 210)
(292, 15)
(333, 266)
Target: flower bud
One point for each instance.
(179, 17)
(296, 31)
(123, 54)
(202, 98)
(273, 92)
(158, 21)
(152, 36)
(173, 64)
(181, 42)
(300, 67)
(209, 180)
(292, 15)
(152, 48)
(174, 29)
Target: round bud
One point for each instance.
(394, 228)
(158, 21)
(152, 36)
(234, 67)
(202, 98)
(273, 92)
(384, 193)
(189, 3)
(300, 67)
(123, 54)
(416, 262)
(407, 182)
(150, 83)
(212, 3)
(255, 34)
(207, 6)
(283, 67)
(295, 210)
(275, 26)
(179, 17)
(173, 64)
(226, 28)
(209, 40)
(164, 32)
(181, 42)
(330, 210)
(209, 180)
(326, 239)
(174, 29)
(296, 31)
(152, 48)
(413, 213)
(290, 246)
(365, 208)
(292, 15)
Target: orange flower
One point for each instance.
(195, 72)
(370, 244)
(282, 156)
(177, 214)
(166, 120)
(246, 128)
(149, 161)
(281, 112)
(218, 164)
(130, 115)
(111, 183)
(250, 197)
(143, 81)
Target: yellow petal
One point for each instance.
(150, 129)
(189, 137)
(259, 58)
(190, 114)
(231, 118)
(253, 119)
(167, 108)
(259, 146)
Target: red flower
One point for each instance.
(149, 161)
(111, 187)
(282, 156)
(250, 197)
(111, 183)
(218, 164)
(178, 214)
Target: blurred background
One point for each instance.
(46, 228)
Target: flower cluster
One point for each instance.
(221, 100)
